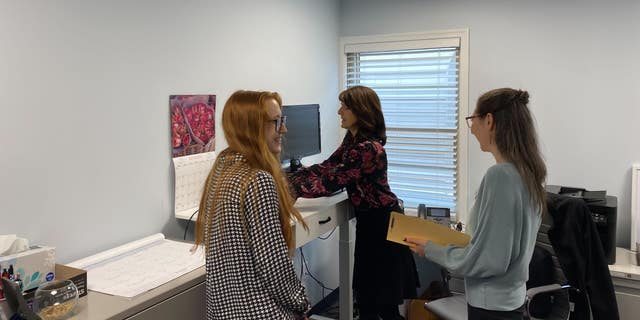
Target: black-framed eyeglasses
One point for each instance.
(281, 121)
(469, 119)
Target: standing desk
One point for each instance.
(184, 297)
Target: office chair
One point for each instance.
(543, 301)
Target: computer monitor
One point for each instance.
(303, 133)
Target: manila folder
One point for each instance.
(402, 226)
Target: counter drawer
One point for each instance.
(319, 223)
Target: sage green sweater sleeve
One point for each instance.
(504, 224)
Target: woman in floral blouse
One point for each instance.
(384, 272)
(245, 214)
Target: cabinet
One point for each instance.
(185, 305)
(625, 275)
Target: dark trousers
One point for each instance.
(474, 313)
(368, 309)
(376, 312)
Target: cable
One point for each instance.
(187, 227)
(306, 265)
(327, 237)
(301, 265)
(304, 260)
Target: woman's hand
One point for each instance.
(417, 245)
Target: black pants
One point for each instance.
(474, 313)
(378, 311)
(384, 272)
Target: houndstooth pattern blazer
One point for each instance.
(249, 272)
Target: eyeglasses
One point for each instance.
(282, 121)
(470, 119)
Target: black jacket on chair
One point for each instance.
(577, 245)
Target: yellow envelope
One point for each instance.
(402, 226)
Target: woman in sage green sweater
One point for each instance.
(507, 211)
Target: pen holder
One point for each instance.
(55, 300)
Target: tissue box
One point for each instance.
(33, 267)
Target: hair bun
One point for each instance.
(521, 96)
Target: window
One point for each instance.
(421, 80)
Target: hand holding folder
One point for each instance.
(402, 226)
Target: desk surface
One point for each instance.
(626, 265)
(310, 206)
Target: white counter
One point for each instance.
(625, 275)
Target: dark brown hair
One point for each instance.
(516, 138)
(365, 105)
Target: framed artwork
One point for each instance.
(635, 207)
(192, 124)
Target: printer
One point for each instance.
(603, 213)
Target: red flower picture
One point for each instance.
(192, 124)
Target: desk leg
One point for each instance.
(345, 261)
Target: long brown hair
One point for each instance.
(244, 118)
(365, 105)
(516, 138)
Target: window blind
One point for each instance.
(419, 92)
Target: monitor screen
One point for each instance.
(303, 131)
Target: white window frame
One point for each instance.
(411, 40)
(635, 208)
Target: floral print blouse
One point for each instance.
(359, 165)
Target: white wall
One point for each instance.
(86, 158)
(578, 60)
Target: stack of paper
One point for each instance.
(139, 266)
